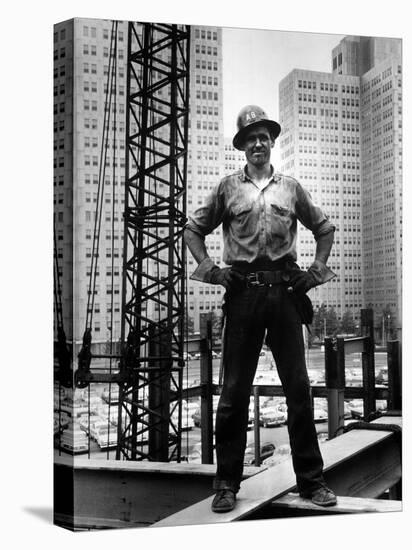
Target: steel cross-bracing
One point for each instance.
(152, 329)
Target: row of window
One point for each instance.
(59, 53)
(350, 102)
(205, 125)
(207, 80)
(92, 50)
(206, 65)
(59, 71)
(91, 68)
(207, 95)
(307, 123)
(205, 34)
(62, 35)
(205, 50)
(58, 180)
(207, 140)
(207, 110)
(59, 108)
(92, 33)
(206, 170)
(59, 90)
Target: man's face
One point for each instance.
(258, 144)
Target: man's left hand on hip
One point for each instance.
(302, 281)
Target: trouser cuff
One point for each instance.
(219, 484)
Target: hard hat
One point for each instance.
(249, 116)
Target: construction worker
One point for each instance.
(265, 298)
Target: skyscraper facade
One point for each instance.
(206, 152)
(378, 63)
(342, 136)
(81, 67)
(320, 146)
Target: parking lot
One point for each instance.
(274, 433)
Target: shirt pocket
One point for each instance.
(241, 209)
(280, 210)
(243, 219)
(281, 220)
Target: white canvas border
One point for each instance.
(27, 269)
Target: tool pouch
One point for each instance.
(305, 309)
(302, 301)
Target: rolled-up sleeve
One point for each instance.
(208, 216)
(311, 215)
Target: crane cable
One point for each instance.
(85, 355)
(62, 352)
(113, 211)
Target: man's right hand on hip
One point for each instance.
(227, 277)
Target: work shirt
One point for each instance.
(258, 224)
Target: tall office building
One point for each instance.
(342, 139)
(206, 153)
(320, 146)
(81, 68)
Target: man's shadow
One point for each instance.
(45, 514)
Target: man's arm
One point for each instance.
(324, 246)
(318, 273)
(207, 271)
(196, 245)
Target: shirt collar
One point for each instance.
(275, 177)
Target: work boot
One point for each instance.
(322, 496)
(224, 501)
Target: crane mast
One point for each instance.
(153, 298)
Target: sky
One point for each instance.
(255, 61)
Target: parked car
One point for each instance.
(266, 450)
(74, 408)
(271, 416)
(354, 377)
(95, 424)
(356, 409)
(187, 421)
(346, 410)
(382, 377)
(319, 414)
(280, 454)
(195, 455)
(197, 418)
(85, 421)
(106, 436)
(111, 394)
(56, 428)
(73, 440)
(61, 421)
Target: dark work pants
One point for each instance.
(250, 314)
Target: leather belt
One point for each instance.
(266, 278)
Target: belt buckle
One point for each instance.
(253, 279)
